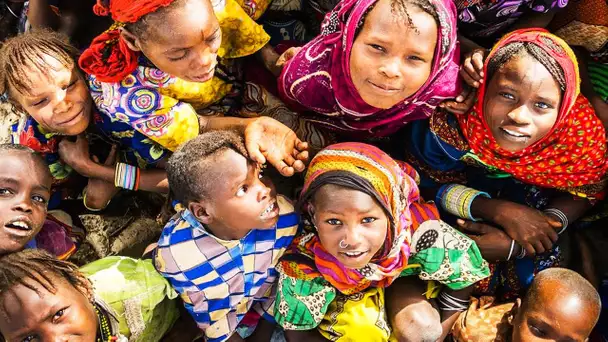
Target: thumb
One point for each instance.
(554, 223)
(255, 152)
(472, 227)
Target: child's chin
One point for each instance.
(269, 224)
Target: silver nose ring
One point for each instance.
(343, 244)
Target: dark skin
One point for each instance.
(242, 199)
(554, 315)
(23, 199)
(66, 314)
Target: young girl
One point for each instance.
(377, 65)
(364, 227)
(531, 151)
(112, 299)
(165, 62)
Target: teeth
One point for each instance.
(514, 133)
(20, 224)
(352, 254)
(268, 209)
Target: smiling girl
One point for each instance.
(377, 65)
(531, 152)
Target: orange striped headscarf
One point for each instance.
(393, 185)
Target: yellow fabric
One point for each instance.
(356, 317)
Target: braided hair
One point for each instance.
(27, 51)
(398, 8)
(520, 49)
(36, 270)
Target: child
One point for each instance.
(23, 196)
(112, 299)
(531, 142)
(219, 251)
(377, 65)
(164, 63)
(560, 305)
(364, 227)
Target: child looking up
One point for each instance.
(25, 189)
(112, 299)
(377, 65)
(219, 251)
(365, 230)
(531, 142)
(560, 305)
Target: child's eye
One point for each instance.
(5, 191)
(368, 220)
(241, 191)
(39, 103)
(536, 331)
(377, 47)
(175, 59)
(58, 314)
(415, 58)
(334, 222)
(39, 199)
(543, 105)
(507, 96)
(71, 85)
(29, 338)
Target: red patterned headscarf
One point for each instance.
(392, 184)
(572, 156)
(109, 58)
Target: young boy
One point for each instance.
(560, 305)
(220, 250)
(25, 188)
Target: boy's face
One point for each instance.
(43, 316)
(242, 199)
(60, 103)
(553, 317)
(24, 193)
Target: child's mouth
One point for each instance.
(514, 136)
(271, 211)
(354, 255)
(20, 227)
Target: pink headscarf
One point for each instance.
(318, 76)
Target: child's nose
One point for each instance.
(520, 115)
(390, 69)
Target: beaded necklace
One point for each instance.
(105, 332)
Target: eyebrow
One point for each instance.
(9, 180)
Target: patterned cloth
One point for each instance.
(492, 18)
(58, 235)
(164, 108)
(140, 301)
(220, 281)
(318, 76)
(417, 244)
(572, 156)
(483, 321)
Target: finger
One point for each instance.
(458, 108)
(552, 235)
(554, 223)
(529, 248)
(285, 169)
(95, 159)
(289, 160)
(464, 94)
(301, 145)
(470, 69)
(468, 79)
(472, 227)
(255, 152)
(477, 61)
(546, 243)
(299, 166)
(303, 156)
(538, 247)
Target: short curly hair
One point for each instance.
(187, 167)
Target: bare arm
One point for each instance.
(41, 15)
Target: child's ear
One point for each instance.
(515, 310)
(129, 38)
(201, 211)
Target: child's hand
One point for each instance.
(99, 192)
(471, 70)
(463, 102)
(76, 154)
(269, 140)
(533, 230)
(287, 55)
(493, 243)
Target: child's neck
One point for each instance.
(222, 232)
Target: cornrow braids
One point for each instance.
(398, 8)
(188, 168)
(152, 21)
(27, 51)
(520, 49)
(35, 269)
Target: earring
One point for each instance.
(343, 244)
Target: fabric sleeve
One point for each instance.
(443, 254)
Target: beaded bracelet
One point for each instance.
(126, 176)
(456, 199)
(561, 216)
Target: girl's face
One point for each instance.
(353, 216)
(43, 316)
(186, 45)
(61, 102)
(391, 59)
(521, 103)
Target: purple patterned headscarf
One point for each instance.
(318, 76)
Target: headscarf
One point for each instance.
(571, 155)
(318, 76)
(108, 57)
(365, 168)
